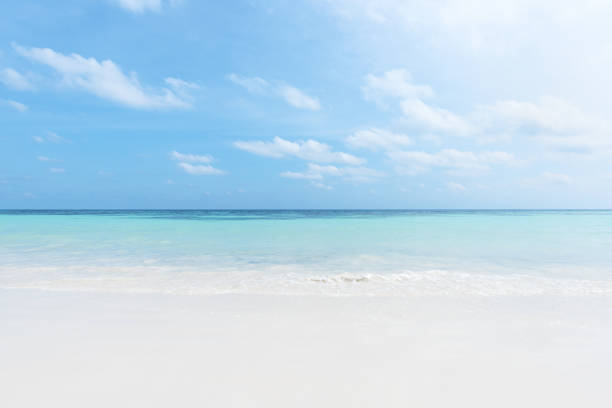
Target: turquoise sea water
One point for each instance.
(304, 252)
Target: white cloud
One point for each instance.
(15, 80)
(360, 173)
(186, 160)
(290, 94)
(395, 83)
(200, 169)
(50, 137)
(413, 162)
(56, 170)
(307, 176)
(14, 104)
(178, 84)
(433, 118)
(550, 114)
(453, 158)
(254, 85)
(140, 6)
(553, 122)
(488, 50)
(182, 89)
(318, 172)
(104, 79)
(500, 91)
(298, 99)
(310, 150)
(377, 139)
(191, 158)
(328, 170)
(480, 25)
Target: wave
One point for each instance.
(280, 281)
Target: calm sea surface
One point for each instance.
(309, 252)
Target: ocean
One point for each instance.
(327, 252)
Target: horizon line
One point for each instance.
(305, 209)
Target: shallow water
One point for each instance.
(412, 253)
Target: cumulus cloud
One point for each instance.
(432, 118)
(318, 172)
(178, 84)
(352, 173)
(14, 104)
(106, 80)
(305, 175)
(524, 91)
(453, 158)
(551, 121)
(298, 99)
(378, 139)
(395, 83)
(182, 89)
(552, 114)
(254, 85)
(15, 80)
(290, 94)
(191, 158)
(413, 162)
(200, 169)
(310, 150)
(397, 87)
(191, 163)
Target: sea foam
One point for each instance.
(278, 281)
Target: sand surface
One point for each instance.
(82, 349)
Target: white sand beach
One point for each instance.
(82, 349)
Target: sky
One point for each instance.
(305, 104)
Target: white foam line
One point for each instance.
(429, 283)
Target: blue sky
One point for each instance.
(305, 104)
